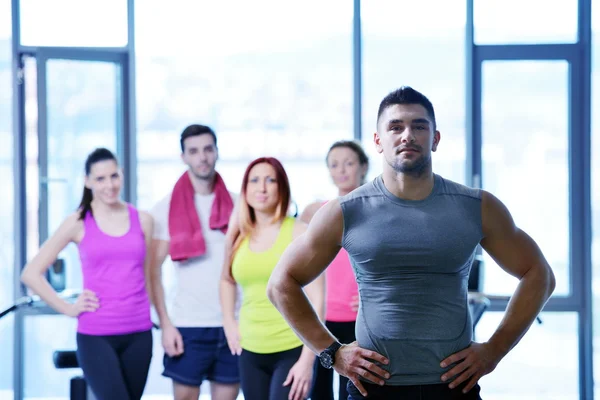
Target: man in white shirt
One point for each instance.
(192, 331)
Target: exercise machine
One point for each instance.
(78, 388)
(62, 359)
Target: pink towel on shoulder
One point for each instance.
(185, 230)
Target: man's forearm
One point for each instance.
(289, 298)
(158, 300)
(531, 295)
(228, 296)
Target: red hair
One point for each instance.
(246, 215)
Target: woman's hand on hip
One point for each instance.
(87, 301)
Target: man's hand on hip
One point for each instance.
(354, 362)
(474, 362)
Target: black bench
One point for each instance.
(78, 390)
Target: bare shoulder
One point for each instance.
(71, 228)
(495, 216)
(147, 221)
(310, 211)
(145, 217)
(489, 200)
(328, 222)
(332, 209)
(73, 222)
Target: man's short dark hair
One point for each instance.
(406, 95)
(196, 130)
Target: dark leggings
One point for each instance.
(116, 366)
(262, 375)
(323, 377)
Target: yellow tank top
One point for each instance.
(262, 328)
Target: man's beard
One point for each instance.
(203, 177)
(415, 169)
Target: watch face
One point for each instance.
(326, 360)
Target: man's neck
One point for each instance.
(202, 186)
(406, 186)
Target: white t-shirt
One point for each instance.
(196, 299)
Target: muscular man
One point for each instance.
(411, 236)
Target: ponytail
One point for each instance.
(86, 203)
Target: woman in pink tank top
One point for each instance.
(114, 338)
(348, 165)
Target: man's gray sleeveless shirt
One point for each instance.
(412, 261)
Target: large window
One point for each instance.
(526, 154)
(399, 49)
(544, 365)
(73, 23)
(276, 83)
(525, 158)
(596, 190)
(523, 22)
(6, 201)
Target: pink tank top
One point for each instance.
(113, 268)
(341, 288)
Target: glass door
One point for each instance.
(526, 164)
(531, 158)
(80, 106)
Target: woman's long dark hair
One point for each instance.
(100, 154)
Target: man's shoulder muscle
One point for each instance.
(327, 223)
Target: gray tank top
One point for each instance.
(412, 261)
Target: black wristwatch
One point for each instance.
(327, 356)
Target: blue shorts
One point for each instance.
(206, 356)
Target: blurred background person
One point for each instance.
(348, 165)
(191, 222)
(273, 363)
(114, 338)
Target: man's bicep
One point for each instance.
(512, 249)
(304, 260)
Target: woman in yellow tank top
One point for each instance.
(273, 363)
